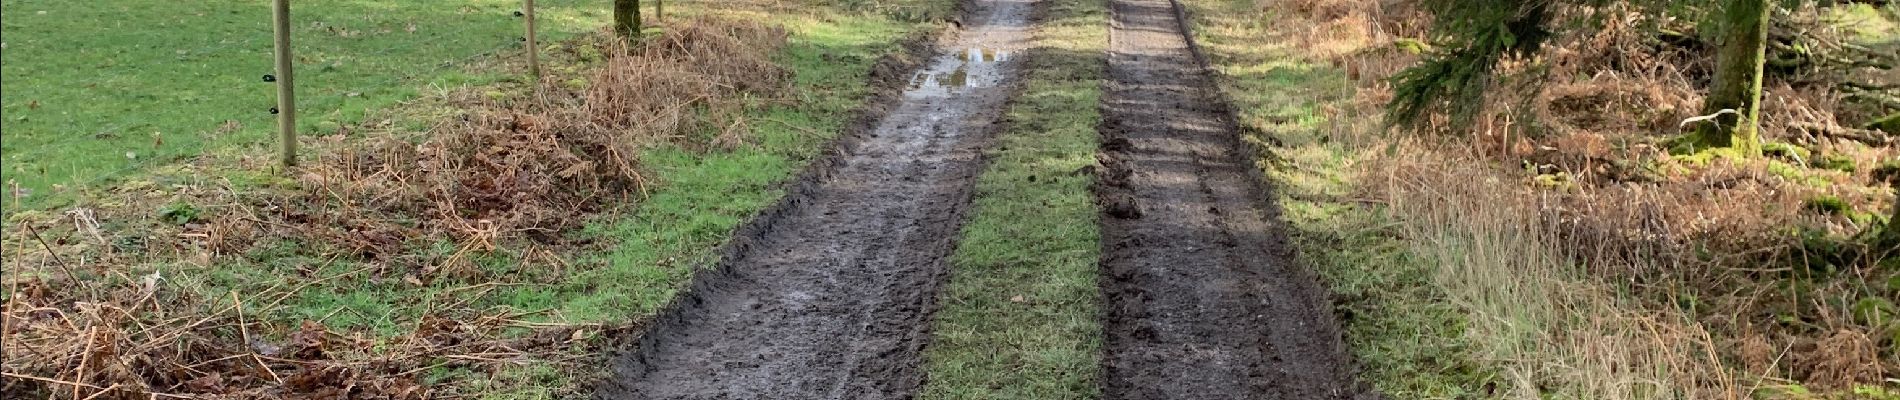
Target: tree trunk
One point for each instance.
(1890, 233)
(1893, 220)
(627, 17)
(1738, 73)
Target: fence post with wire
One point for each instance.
(290, 110)
(286, 83)
(534, 52)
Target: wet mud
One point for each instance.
(828, 294)
(1204, 296)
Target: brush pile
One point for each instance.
(113, 301)
(532, 170)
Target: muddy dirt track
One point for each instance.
(1204, 299)
(828, 295)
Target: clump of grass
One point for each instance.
(1887, 172)
(1835, 162)
(1828, 205)
(1787, 152)
(1529, 301)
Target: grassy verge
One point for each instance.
(705, 193)
(1461, 275)
(485, 316)
(1019, 316)
(1408, 335)
(102, 91)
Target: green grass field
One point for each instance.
(99, 90)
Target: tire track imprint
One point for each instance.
(828, 294)
(1204, 299)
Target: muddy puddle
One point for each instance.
(969, 69)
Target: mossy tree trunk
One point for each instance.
(627, 18)
(1890, 238)
(1738, 74)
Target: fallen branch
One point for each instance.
(1875, 98)
(1868, 137)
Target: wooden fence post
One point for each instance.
(534, 51)
(286, 83)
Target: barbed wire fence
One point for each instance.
(319, 97)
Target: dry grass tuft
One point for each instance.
(139, 343)
(1841, 360)
(1509, 265)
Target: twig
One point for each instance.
(530, 324)
(246, 333)
(180, 332)
(6, 310)
(85, 356)
(63, 267)
(102, 392)
(1868, 137)
(85, 222)
(194, 367)
(47, 380)
(808, 131)
(61, 382)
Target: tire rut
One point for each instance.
(828, 295)
(1203, 297)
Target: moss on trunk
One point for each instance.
(627, 17)
(1738, 76)
(1890, 233)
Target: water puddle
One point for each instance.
(984, 55)
(973, 68)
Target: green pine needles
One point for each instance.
(1472, 36)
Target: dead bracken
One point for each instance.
(1759, 261)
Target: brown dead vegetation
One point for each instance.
(535, 168)
(502, 171)
(1776, 286)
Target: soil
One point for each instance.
(828, 295)
(1204, 297)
